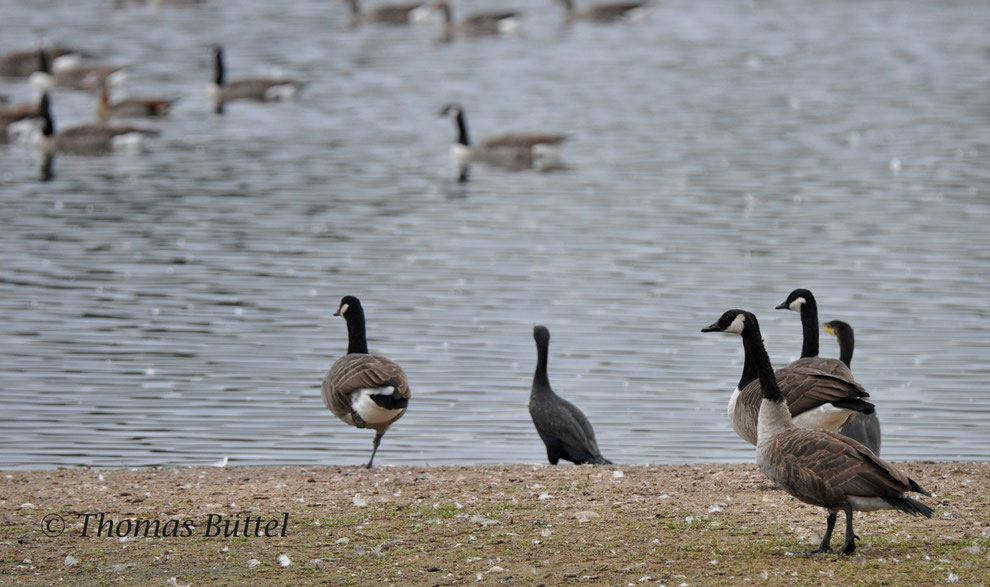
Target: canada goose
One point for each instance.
(864, 428)
(514, 151)
(482, 23)
(817, 399)
(393, 14)
(610, 12)
(88, 139)
(257, 89)
(131, 107)
(363, 390)
(819, 468)
(24, 63)
(565, 430)
(803, 302)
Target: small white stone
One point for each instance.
(284, 560)
(253, 563)
(952, 578)
(544, 496)
(71, 561)
(496, 569)
(618, 474)
(343, 540)
(359, 501)
(585, 516)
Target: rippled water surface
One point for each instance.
(175, 309)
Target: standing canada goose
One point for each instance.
(131, 107)
(515, 151)
(817, 400)
(565, 430)
(257, 89)
(819, 468)
(864, 428)
(393, 14)
(363, 390)
(803, 302)
(610, 12)
(483, 23)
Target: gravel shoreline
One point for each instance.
(447, 525)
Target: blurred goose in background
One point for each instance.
(864, 428)
(88, 139)
(364, 390)
(819, 468)
(12, 113)
(131, 107)
(611, 12)
(564, 429)
(24, 63)
(483, 23)
(71, 71)
(222, 91)
(515, 151)
(394, 14)
(816, 399)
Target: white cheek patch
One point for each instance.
(737, 325)
(343, 309)
(796, 305)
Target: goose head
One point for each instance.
(734, 322)
(796, 300)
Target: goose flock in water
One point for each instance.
(816, 433)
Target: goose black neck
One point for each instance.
(757, 353)
(540, 379)
(218, 67)
(462, 131)
(356, 340)
(749, 373)
(809, 323)
(44, 65)
(45, 112)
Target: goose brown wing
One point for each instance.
(805, 389)
(354, 372)
(830, 366)
(613, 11)
(823, 468)
(522, 140)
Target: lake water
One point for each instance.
(175, 308)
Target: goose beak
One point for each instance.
(782, 307)
(713, 328)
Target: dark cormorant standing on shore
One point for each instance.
(565, 431)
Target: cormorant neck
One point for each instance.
(846, 345)
(462, 131)
(540, 379)
(356, 340)
(755, 351)
(809, 323)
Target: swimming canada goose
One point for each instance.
(393, 14)
(610, 12)
(515, 151)
(564, 429)
(478, 24)
(222, 91)
(131, 107)
(364, 390)
(803, 302)
(819, 468)
(864, 428)
(817, 399)
(24, 63)
(88, 139)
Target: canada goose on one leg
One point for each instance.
(862, 427)
(565, 430)
(609, 12)
(819, 468)
(816, 399)
(515, 151)
(222, 91)
(364, 390)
